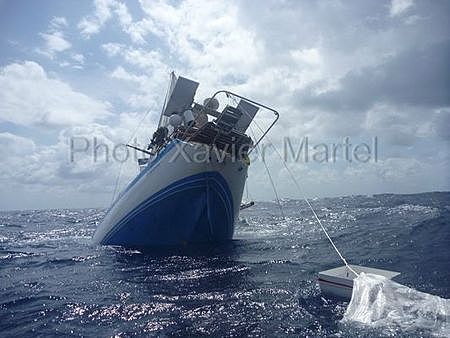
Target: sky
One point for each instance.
(77, 72)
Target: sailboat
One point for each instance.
(191, 180)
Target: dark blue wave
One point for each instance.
(53, 282)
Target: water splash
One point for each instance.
(383, 304)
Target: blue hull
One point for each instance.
(195, 209)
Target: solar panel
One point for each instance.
(181, 96)
(248, 113)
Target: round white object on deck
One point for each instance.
(175, 120)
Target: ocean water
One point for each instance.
(53, 282)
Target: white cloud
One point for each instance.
(112, 49)
(210, 55)
(54, 42)
(51, 171)
(104, 10)
(309, 56)
(79, 58)
(310, 60)
(145, 91)
(270, 53)
(413, 19)
(58, 22)
(147, 86)
(54, 39)
(398, 7)
(92, 24)
(226, 46)
(28, 96)
(121, 74)
(14, 145)
(124, 16)
(64, 64)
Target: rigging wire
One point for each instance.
(172, 75)
(246, 190)
(121, 164)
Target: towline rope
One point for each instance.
(305, 199)
(317, 217)
(313, 211)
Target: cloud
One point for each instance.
(203, 50)
(399, 7)
(54, 43)
(14, 145)
(48, 170)
(112, 49)
(298, 62)
(187, 47)
(79, 58)
(330, 68)
(307, 56)
(392, 81)
(105, 10)
(54, 39)
(58, 22)
(75, 61)
(147, 83)
(441, 123)
(92, 24)
(144, 91)
(314, 68)
(48, 166)
(28, 96)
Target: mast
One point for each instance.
(172, 82)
